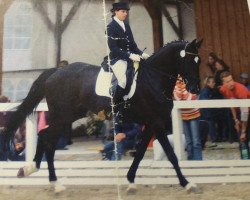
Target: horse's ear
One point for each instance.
(199, 43)
(193, 43)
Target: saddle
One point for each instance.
(107, 83)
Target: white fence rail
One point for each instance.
(31, 122)
(150, 172)
(177, 122)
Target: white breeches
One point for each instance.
(119, 69)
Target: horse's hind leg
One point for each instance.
(40, 149)
(50, 146)
(163, 139)
(50, 153)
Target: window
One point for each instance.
(22, 89)
(17, 36)
(16, 89)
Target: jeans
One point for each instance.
(109, 149)
(3, 154)
(212, 130)
(192, 135)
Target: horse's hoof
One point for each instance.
(131, 188)
(58, 187)
(27, 170)
(191, 188)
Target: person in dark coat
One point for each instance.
(126, 140)
(207, 122)
(4, 117)
(123, 50)
(221, 67)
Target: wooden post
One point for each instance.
(156, 16)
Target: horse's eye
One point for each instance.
(196, 59)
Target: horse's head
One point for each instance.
(189, 62)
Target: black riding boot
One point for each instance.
(118, 107)
(118, 95)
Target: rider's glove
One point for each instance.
(145, 56)
(135, 57)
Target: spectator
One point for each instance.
(212, 58)
(126, 139)
(106, 129)
(18, 150)
(244, 80)
(221, 67)
(190, 119)
(4, 116)
(224, 128)
(207, 121)
(63, 63)
(235, 90)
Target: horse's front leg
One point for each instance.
(140, 151)
(168, 149)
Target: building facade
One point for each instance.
(29, 45)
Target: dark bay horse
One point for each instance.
(70, 93)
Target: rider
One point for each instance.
(123, 49)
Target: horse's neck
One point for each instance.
(158, 82)
(160, 71)
(162, 67)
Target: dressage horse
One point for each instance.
(70, 93)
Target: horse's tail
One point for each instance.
(35, 95)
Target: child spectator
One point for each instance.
(190, 119)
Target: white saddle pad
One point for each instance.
(103, 83)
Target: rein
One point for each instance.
(160, 92)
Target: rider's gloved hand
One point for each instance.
(135, 57)
(145, 56)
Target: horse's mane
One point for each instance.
(167, 47)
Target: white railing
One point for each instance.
(31, 121)
(31, 127)
(177, 121)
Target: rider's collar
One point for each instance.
(121, 23)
